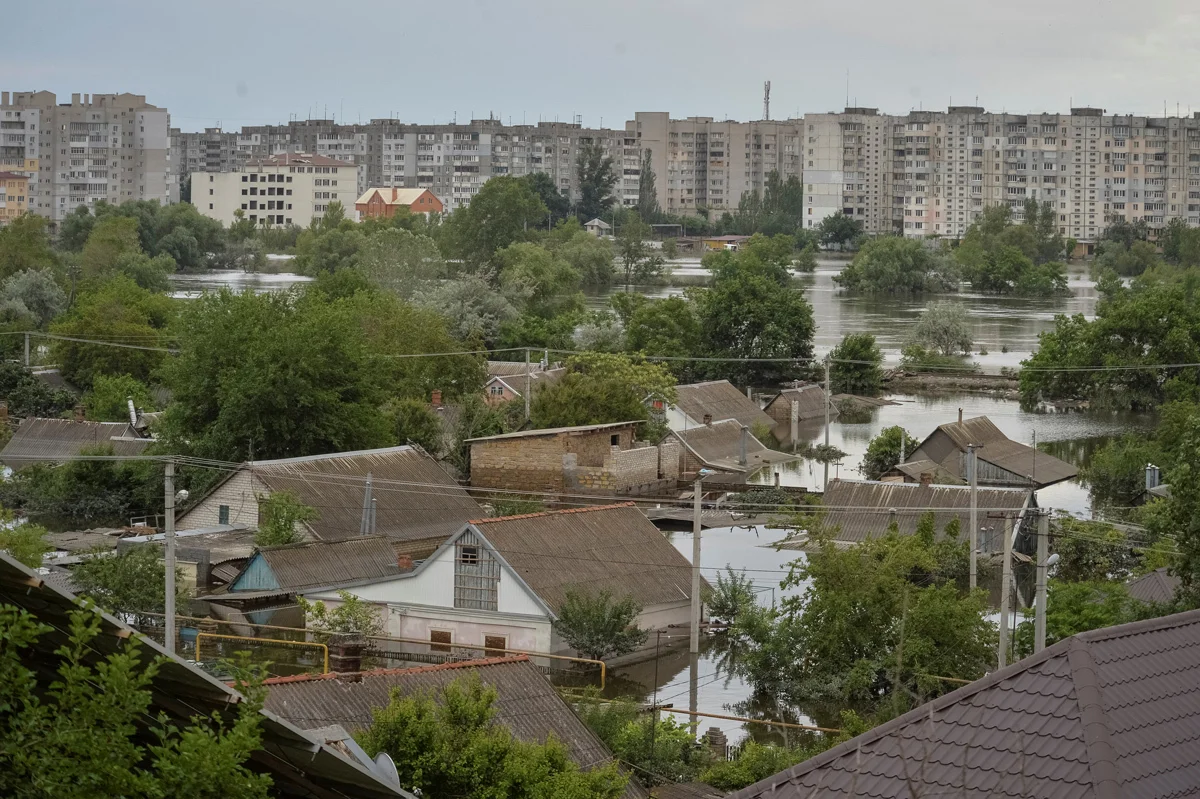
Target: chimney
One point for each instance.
(1153, 476)
(745, 442)
(405, 562)
(345, 656)
(717, 742)
(436, 398)
(3, 98)
(393, 194)
(133, 415)
(708, 420)
(926, 478)
(75, 98)
(960, 417)
(80, 415)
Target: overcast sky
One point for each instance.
(258, 61)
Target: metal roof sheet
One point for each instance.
(1156, 586)
(1110, 714)
(810, 399)
(721, 400)
(996, 448)
(316, 564)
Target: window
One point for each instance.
(476, 575)
(440, 640)
(223, 514)
(615, 439)
(494, 645)
(496, 391)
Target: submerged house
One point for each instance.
(506, 379)
(727, 447)
(53, 440)
(801, 403)
(1002, 461)
(697, 404)
(500, 582)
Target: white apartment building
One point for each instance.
(110, 147)
(702, 164)
(848, 167)
(287, 189)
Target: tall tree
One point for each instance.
(596, 178)
(639, 260)
(504, 211)
(648, 208)
(557, 204)
(25, 244)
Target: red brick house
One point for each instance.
(384, 202)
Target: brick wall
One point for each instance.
(668, 458)
(537, 463)
(238, 493)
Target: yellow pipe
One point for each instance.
(271, 641)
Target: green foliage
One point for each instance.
(600, 388)
(1129, 262)
(733, 596)
(756, 762)
(476, 419)
(751, 310)
(448, 744)
(25, 245)
(893, 265)
(1076, 607)
(399, 261)
(647, 207)
(1090, 551)
(840, 230)
(504, 211)
(112, 238)
(515, 505)
(32, 295)
(115, 310)
(590, 256)
(351, 617)
(86, 735)
(558, 205)
(537, 281)
(28, 396)
(855, 368)
(132, 583)
(596, 178)
(25, 541)
(108, 399)
(149, 273)
(329, 244)
(471, 308)
(281, 516)
(659, 749)
(598, 625)
(883, 452)
(667, 327)
(639, 261)
(529, 330)
(943, 327)
(1000, 257)
(778, 209)
(414, 422)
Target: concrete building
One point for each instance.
(111, 147)
(700, 163)
(14, 196)
(213, 150)
(281, 190)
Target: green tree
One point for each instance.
(89, 731)
(599, 625)
(471, 308)
(448, 744)
(893, 265)
(152, 274)
(399, 261)
(855, 368)
(537, 281)
(558, 205)
(883, 452)
(1128, 262)
(281, 519)
(943, 327)
(501, 213)
(132, 583)
(1076, 607)
(590, 256)
(667, 327)
(32, 295)
(28, 396)
(1091, 551)
(839, 229)
(660, 750)
(647, 207)
(639, 261)
(25, 245)
(596, 178)
(733, 596)
(351, 617)
(600, 388)
(108, 401)
(111, 238)
(414, 422)
(23, 541)
(755, 762)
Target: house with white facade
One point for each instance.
(501, 582)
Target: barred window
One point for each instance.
(476, 575)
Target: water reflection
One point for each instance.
(188, 286)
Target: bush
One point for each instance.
(733, 595)
(855, 365)
(944, 328)
(281, 512)
(599, 626)
(883, 453)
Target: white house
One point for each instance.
(285, 189)
(598, 227)
(500, 582)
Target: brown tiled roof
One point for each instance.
(686, 790)
(414, 497)
(811, 400)
(526, 703)
(613, 547)
(719, 445)
(12, 176)
(858, 510)
(721, 400)
(1156, 586)
(50, 440)
(1112, 714)
(317, 564)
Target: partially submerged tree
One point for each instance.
(599, 625)
(132, 583)
(855, 365)
(884, 450)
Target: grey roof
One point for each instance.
(319, 564)
(182, 691)
(994, 447)
(719, 446)
(52, 440)
(1156, 586)
(685, 790)
(1110, 713)
(553, 431)
(810, 399)
(721, 400)
(526, 702)
(613, 547)
(914, 470)
(415, 498)
(858, 510)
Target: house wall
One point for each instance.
(936, 448)
(668, 459)
(536, 463)
(497, 393)
(530, 633)
(657, 617)
(622, 469)
(238, 493)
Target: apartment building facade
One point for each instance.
(14, 194)
(932, 173)
(701, 164)
(110, 147)
(287, 189)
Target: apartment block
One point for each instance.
(932, 173)
(14, 193)
(110, 147)
(214, 150)
(287, 189)
(701, 164)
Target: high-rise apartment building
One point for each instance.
(110, 147)
(701, 164)
(930, 173)
(14, 195)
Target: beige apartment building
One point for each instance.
(287, 189)
(700, 163)
(110, 147)
(14, 191)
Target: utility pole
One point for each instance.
(972, 463)
(1039, 623)
(1005, 593)
(527, 381)
(697, 489)
(27, 349)
(825, 484)
(169, 505)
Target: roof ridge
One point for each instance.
(314, 541)
(449, 666)
(1140, 627)
(330, 456)
(562, 512)
(1102, 757)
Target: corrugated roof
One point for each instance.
(719, 446)
(914, 470)
(526, 703)
(51, 440)
(317, 564)
(1111, 713)
(553, 431)
(996, 448)
(414, 497)
(686, 790)
(857, 510)
(722, 401)
(1156, 586)
(607, 547)
(181, 691)
(811, 401)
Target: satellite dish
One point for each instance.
(385, 768)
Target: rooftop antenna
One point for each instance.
(766, 100)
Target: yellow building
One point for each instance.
(14, 196)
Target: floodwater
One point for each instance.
(187, 286)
